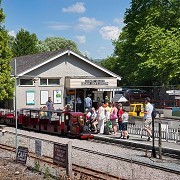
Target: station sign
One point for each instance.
(96, 82)
(22, 155)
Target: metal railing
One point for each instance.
(167, 132)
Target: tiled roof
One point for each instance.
(27, 62)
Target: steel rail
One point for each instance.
(109, 155)
(85, 171)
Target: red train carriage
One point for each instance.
(54, 124)
(61, 123)
(7, 117)
(37, 119)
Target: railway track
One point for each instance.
(145, 148)
(127, 160)
(84, 171)
(79, 171)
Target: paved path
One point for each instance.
(138, 142)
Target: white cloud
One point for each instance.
(81, 39)
(12, 33)
(58, 26)
(76, 8)
(118, 20)
(88, 24)
(110, 32)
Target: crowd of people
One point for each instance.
(107, 118)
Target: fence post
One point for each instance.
(177, 132)
(69, 160)
(153, 154)
(167, 133)
(160, 142)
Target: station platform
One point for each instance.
(170, 147)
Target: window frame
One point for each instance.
(47, 82)
(26, 84)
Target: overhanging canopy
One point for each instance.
(119, 98)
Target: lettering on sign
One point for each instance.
(59, 156)
(38, 147)
(22, 155)
(94, 82)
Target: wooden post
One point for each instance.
(69, 160)
(160, 142)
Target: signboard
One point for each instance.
(30, 98)
(93, 82)
(57, 97)
(44, 97)
(38, 147)
(59, 156)
(173, 92)
(177, 97)
(22, 155)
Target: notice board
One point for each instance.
(22, 155)
(59, 156)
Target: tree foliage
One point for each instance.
(56, 43)
(6, 83)
(148, 49)
(24, 44)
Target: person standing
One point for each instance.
(148, 117)
(120, 112)
(50, 106)
(125, 118)
(113, 117)
(79, 103)
(108, 111)
(87, 102)
(101, 118)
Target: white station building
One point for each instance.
(61, 75)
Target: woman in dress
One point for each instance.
(101, 118)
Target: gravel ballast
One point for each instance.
(119, 168)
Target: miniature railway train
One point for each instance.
(63, 123)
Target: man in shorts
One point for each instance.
(148, 117)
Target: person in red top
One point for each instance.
(120, 112)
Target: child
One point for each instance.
(125, 118)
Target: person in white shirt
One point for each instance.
(148, 117)
(101, 118)
(87, 102)
(125, 118)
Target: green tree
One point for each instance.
(111, 63)
(24, 44)
(56, 43)
(6, 83)
(148, 47)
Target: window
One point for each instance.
(53, 82)
(27, 82)
(43, 82)
(49, 82)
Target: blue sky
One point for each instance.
(91, 24)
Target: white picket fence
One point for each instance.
(170, 131)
